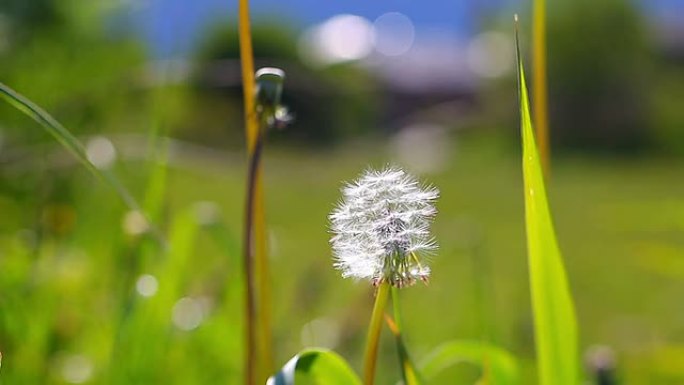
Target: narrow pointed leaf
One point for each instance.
(62, 135)
(498, 366)
(554, 314)
(315, 367)
(71, 143)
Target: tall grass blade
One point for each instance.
(409, 374)
(540, 96)
(315, 367)
(143, 340)
(159, 156)
(259, 361)
(498, 366)
(554, 314)
(69, 141)
(233, 295)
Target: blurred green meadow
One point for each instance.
(70, 268)
(88, 294)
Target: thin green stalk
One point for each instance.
(396, 307)
(65, 137)
(540, 97)
(481, 296)
(409, 374)
(258, 363)
(249, 265)
(69, 141)
(157, 147)
(371, 354)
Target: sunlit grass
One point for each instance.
(632, 214)
(555, 323)
(78, 256)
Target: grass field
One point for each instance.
(70, 311)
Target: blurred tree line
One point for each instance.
(82, 63)
(66, 57)
(611, 87)
(614, 86)
(327, 103)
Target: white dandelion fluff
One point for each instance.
(381, 227)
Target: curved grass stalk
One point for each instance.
(409, 374)
(71, 143)
(258, 351)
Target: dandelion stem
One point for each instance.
(247, 62)
(258, 350)
(249, 265)
(374, 328)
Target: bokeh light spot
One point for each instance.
(188, 313)
(147, 285)
(338, 39)
(394, 34)
(77, 369)
(490, 55)
(101, 152)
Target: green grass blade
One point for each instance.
(69, 141)
(144, 336)
(315, 367)
(409, 373)
(554, 314)
(498, 366)
(64, 137)
(157, 174)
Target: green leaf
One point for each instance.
(554, 314)
(498, 366)
(315, 366)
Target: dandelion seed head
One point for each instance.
(381, 228)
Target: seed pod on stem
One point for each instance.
(381, 229)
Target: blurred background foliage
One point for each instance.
(86, 296)
(601, 79)
(329, 104)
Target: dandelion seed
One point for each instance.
(382, 228)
